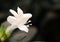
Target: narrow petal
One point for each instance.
(29, 21)
(13, 12)
(23, 28)
(19, 11)
(26, 17)
(30, 24)
(11, 19)
(27, 25)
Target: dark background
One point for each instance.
(46, 16)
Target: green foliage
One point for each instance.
(3, 35)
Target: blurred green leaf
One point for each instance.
(2, 32)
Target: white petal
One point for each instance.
(11, 19)
(30, 24)
(27, 25)
(19, 11)
(23, 28)
(13, 12)
(26, 17)
(29, 21)
(23, 20)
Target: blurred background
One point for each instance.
(46, 16)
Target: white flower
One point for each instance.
(18, 20)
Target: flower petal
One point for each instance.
(11, 19)
(23, 28)
(13, 12)
(26, 17)
(23, 20)
(19, 11)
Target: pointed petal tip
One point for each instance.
(30, 15)
(18, 7)
(29, 21)
(27, 25)
(27, 31)
(10, 10)
(23, 28)
(19, 11)
(30, 24)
